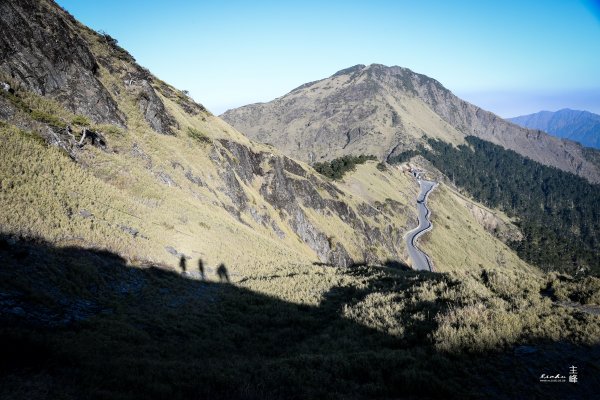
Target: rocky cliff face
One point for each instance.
(383, 111)
(47, 51)
(48, 57)
(295, 193)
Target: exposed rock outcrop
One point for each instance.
(153, 109)
(491, 222)
(64, 61)
(291, 190)
(54, 61)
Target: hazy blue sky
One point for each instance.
(512, 57)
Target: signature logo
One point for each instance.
(560, 378)
(553, 378)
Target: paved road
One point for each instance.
(420, 260)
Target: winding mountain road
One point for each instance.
(420, 260)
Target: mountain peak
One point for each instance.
(350, 70)
(385, 111)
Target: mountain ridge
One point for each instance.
(384, 111)
(576, 125)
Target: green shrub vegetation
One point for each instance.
(402, 157)
(585, 291)
(335, 169)
(39, 108)
(47, 118)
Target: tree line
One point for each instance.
(557, 212)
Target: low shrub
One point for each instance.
(335, 169)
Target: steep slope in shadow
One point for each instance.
(79, 323)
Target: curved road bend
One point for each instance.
(420, 260)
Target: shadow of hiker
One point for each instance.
(182, 264)
(252, 341)
(222, 273)
(201, 269)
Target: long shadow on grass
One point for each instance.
(78, 323)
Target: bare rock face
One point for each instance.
(138, 81)
(291, 190)
(54, 61)
(383, 111)
(44, 49)
(153, 109)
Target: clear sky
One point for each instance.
(511, 57)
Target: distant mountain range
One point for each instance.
(384, 111)
(579, 126)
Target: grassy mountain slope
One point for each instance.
(348, 113)
(385, 111)
(170, 179)
(462, 242)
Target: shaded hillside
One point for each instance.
(579, 126)
(77, 323)
(385, 111)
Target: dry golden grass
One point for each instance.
(459, 243)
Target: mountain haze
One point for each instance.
(384, 111)
(575, 125)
